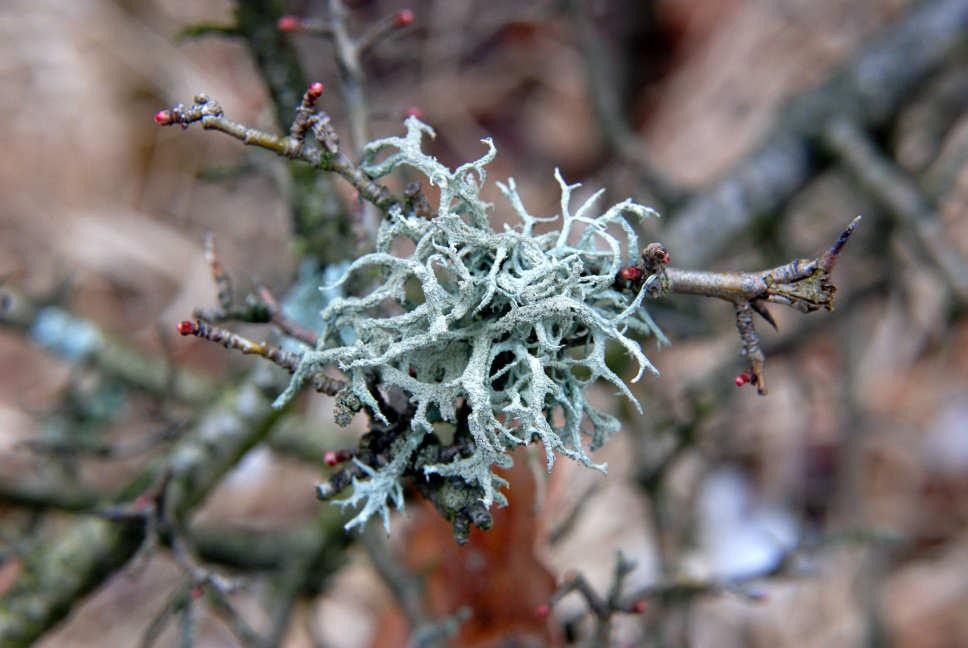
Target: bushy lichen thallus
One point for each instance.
(493, 336)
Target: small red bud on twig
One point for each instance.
(336, 457)
(743, 378)
(639, 607)
(403, 18)
(187, 328)
(630, 273)
(197, 592)
(289, 24)
(414, 111)
(542, 611)
(164, 118)
(316, 90)
(141, 503)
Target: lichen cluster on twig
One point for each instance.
(513, 324)
(495, 333)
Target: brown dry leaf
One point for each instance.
(497, 574)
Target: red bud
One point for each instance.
(197, 592)
(330, 458)
(639, 607)
(414, 111)
(630, 273)
(316, 90)
(164, 118)
(403, 18)
(542, 610)
(742, 379)
(187, 328)
(289, 24)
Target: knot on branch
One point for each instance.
(809, 289)
(806, 285)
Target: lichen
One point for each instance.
(510, 326)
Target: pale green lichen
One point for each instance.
(513, 324)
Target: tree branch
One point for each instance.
(326, 154)
(868, 89)
(59, 572)
(81, 340)
(901, 196)
(802, 284)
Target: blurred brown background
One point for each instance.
(861, 446)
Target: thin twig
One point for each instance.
(289, 327)
(326, 155)
(802, 284)
(602, 609)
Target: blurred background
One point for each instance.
(830, 513)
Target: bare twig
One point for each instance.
(349, 52)
(802, 284)
(287, 326)
(288, 360)
(602, 609)
(326, 155)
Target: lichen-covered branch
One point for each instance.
(513, 324)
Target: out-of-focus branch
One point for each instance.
(351, 76)
(304, 572)
(613, 125)
(42, 495)
(868, 89)
(602, 609)
(901, 196)
(287, 326)
(406, 587)
(81, 340)
(349, 52)
(134, 368)
(57, 573)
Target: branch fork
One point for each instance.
(802, 284)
